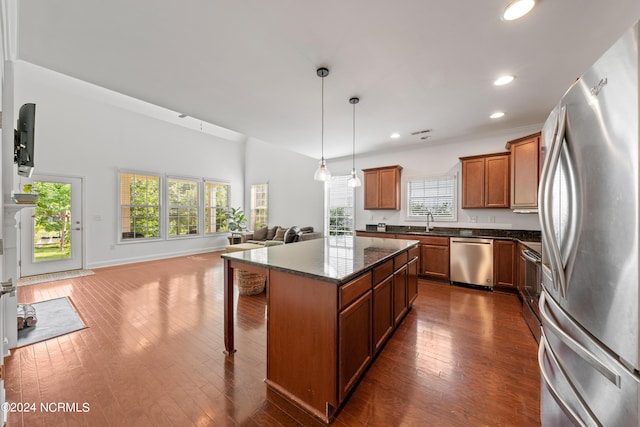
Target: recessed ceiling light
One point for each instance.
(517, 9)
(497, 115)
(503, 80)
(395, 135)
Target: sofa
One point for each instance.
(276, 235)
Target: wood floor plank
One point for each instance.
(152, 354)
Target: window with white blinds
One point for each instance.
(436, 195)
(340, 201)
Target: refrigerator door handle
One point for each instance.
(544, 348)
(555, 256)
(577, 348)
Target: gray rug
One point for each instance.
(56, 317)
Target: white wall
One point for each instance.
(82, 131)
(434, 160)
(294, 197)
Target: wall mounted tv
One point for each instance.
(23, 142)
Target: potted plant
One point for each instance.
(236, 221)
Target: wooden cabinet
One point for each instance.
(504, 264)
(485, 181)
(433, 261)
(400, 305)
(520, 271)
(355, 342)
(525, 171)
(412, 280)
(382, 312)
(382, 188)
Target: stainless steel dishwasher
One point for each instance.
(471, 261)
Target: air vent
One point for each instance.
(421, 132)
(425, 137)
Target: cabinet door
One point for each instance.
(435, 261)
(389, 189)
(473, 183)
(412, 281)
(399, 294)
(497, 193)
(504, 273)
(525, 172)
(355, 342)
(371, 189)
(382, 312)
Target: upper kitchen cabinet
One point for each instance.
(382, 188)
(525, 171)
(485, 181)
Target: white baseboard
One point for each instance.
(151, 257)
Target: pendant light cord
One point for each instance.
(322, 123)
(354, 138)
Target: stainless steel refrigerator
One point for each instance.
(590, 218)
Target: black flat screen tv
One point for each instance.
(24, 137)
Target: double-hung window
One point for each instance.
(183, 203)
(435, 195)
(139, 205)
(216, 204)
(259, 205)
(340, 203)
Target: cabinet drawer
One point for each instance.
(400, 260)
(439, 241)
(352, 290)
(382, 272)
(414, 252)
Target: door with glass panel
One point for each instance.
(51, 233)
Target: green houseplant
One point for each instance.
(236, 221)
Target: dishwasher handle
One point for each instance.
(471, 240)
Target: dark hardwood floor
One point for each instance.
(152, 354)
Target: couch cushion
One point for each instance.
(260, 234)
(271, 232)
(306, 229)
(280, 234)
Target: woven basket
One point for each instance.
(249, 283)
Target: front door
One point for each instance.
(51, 233)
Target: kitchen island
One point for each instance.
(331, 305)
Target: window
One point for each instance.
(340, 201)
(182, 197)
(139, 206)
(259, 206)
(436, 195)
(216, 203)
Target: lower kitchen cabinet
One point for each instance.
(382, 312)
(400, 305)
(520, 271)
(355, 342)
(412, 280)
(504, 264)
(434, 256)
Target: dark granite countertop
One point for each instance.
(521, 235)
(328, 259)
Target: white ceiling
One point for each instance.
(250, 65)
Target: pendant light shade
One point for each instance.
(322, 173)
(354, 181)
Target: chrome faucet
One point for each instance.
(429, 215)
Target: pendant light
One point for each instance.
(354, 181)
(322, 173)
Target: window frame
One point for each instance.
(253, 207)
(327, 211)
(206, 207)
(430, 178)
(119, 231)
(199, 211)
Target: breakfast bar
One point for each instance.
(332, 303)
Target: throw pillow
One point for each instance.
(280, 234)
(272, 232)
(291, 235)
(260, 234)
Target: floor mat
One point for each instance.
(50, 277)
(56, 317)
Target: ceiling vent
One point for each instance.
(421, 132)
